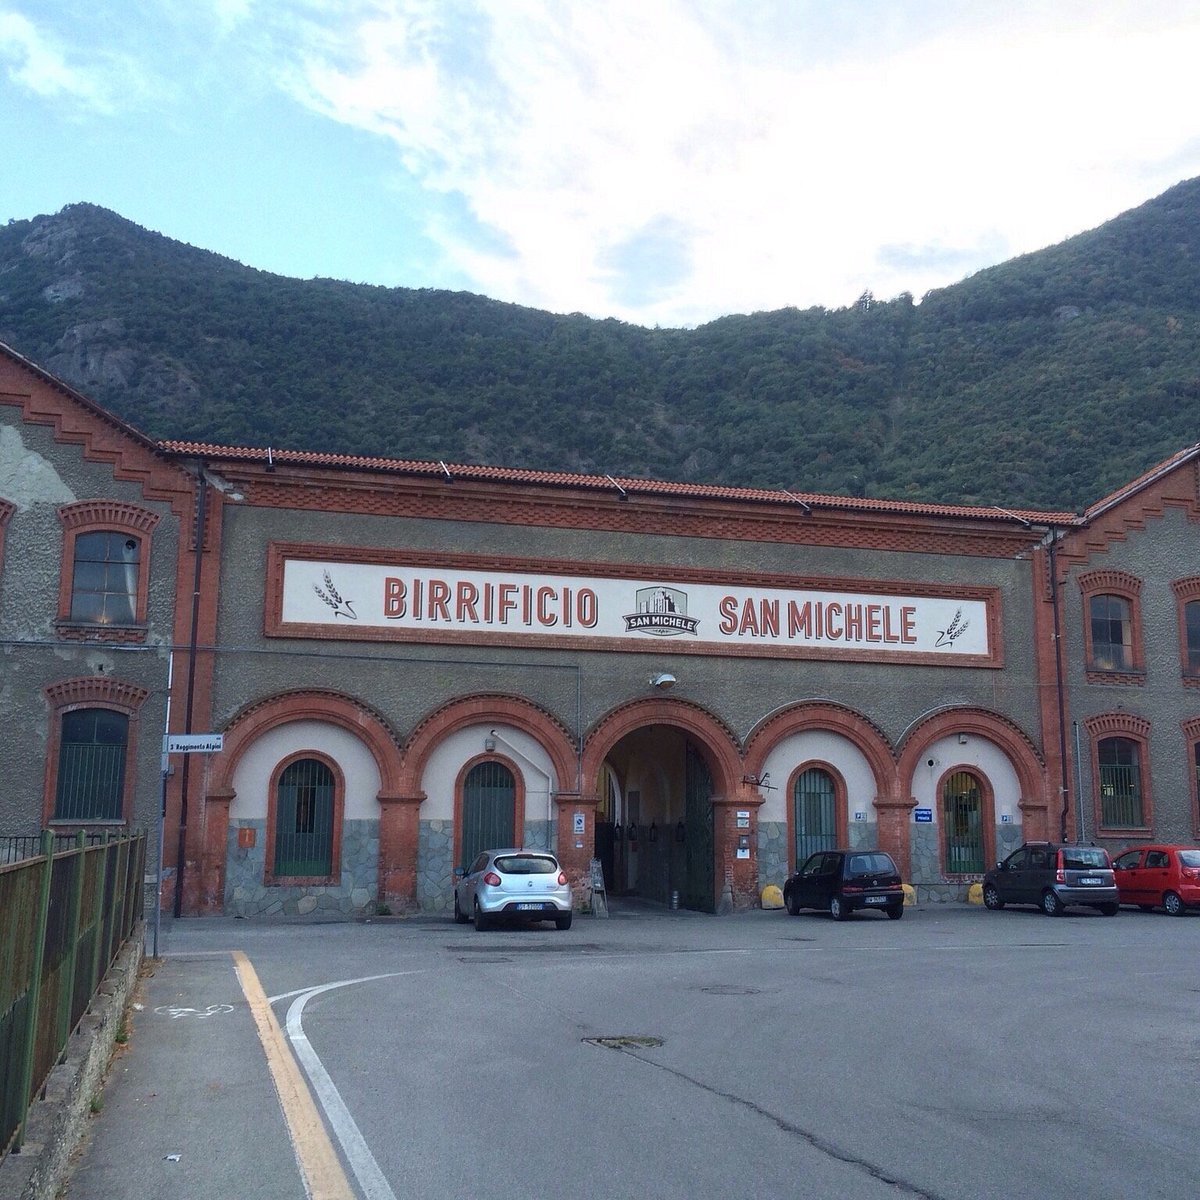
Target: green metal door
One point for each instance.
(814, 817)
(489, 799)
(962, 824)
(698, 833)
(304, 820)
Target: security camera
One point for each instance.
(931, 762)
(663, 681)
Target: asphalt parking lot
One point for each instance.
(957, 1053)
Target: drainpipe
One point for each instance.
(1059, 688)
(201, 507)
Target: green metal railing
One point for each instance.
(64, 915)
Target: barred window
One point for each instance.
(1119, 766)
(1191, 625)
(91, 765)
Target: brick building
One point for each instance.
(693, 685)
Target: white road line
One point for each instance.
(362, 1162)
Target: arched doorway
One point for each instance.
(964, 847)
(815, 824)
(489, 794)
(654, 822)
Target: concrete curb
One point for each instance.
(59, 1116)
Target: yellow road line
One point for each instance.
(323, 1176)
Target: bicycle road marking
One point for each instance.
(320, 1170)
(175, 1011)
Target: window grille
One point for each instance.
(1120, 784)
(962, 824)
(815, 813)
(488, 810)
(91, 765)
(304, 820)
(104, 583)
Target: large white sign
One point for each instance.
(431, 600)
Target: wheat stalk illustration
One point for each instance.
(954, 630)
(334, 599)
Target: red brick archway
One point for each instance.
(735, 880)
(1017, 748)
(206, 889)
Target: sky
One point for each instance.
(663, 162)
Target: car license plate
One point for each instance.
(877, 899)
(531, 907)
(1090, 879)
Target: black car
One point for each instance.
(1053, 876)
(844, 880)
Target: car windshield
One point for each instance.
(1190, 858)
(526, 864)
(1084, 858)
(871, 864)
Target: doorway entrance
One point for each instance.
(654, 822)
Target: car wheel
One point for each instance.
(563, 921)
(1110, 910)
(1052, 906)
(991, 898)
(837, 909)
(894, 911)
(482, 920)
(792, 906)
(1173, 904)
(460, 917)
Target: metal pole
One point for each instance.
(1058, 682)
(162, 804)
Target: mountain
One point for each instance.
(1046, 381)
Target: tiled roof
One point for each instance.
(1148, 476)
(607, 483)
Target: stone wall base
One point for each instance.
(59, 1116)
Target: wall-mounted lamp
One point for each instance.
(618, 832)
(962, 739)
(681, 832)
(664, 681)
(489, 743)
(653, 836)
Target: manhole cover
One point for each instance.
(496, 959)
(730, 989)
(626, 1041)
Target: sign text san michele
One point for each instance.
(414, 601)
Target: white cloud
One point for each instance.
(789, 169)
(88, 77)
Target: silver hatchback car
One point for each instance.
(513, 883)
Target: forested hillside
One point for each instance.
(1046, 381)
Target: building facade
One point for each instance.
(693, 687)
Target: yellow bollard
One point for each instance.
(772, 897)
(975, 893)
(910, 895)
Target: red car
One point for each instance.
(1150, 876)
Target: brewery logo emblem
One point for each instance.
(661, 612)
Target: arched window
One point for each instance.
(1191, 633)
(1112, 633)
(1119, 767)
(963, 832)
(489, 795)
(304, 821)
(814, 813)
(104, 587)
(92, 749)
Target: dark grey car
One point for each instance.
(844, 881)
(1053, 876)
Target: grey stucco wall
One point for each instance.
(737, 690)
(37, 474)
(1166, 549)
